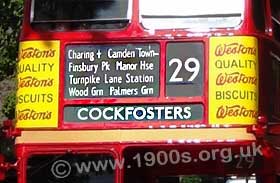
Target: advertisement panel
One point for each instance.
(233, 80)
(38, 84)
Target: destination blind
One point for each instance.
(126, 70)
(135, 113)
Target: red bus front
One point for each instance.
(144, 91)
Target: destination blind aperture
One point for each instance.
(127, 70)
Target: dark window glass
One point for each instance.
(275, 95)
(259, 15)
(276, 29)
(69, 168)
(275, 9)
(82, 14)
(204, 179)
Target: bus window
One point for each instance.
(275, 10)
(206, 179)
(259, 14)
(171, 14)
(61, 15)
(276, 86)
(70, 168)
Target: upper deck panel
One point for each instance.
(123, 66)
(133, 19)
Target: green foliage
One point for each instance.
(10, 21)
(11, 15)
(7, 149)
(9, 105)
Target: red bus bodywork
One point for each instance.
(198, 137)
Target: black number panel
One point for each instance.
(184, 69)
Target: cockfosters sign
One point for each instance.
(133, 113)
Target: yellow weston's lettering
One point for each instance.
(233, 80)
(38, 84)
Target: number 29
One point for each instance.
(191, 65)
